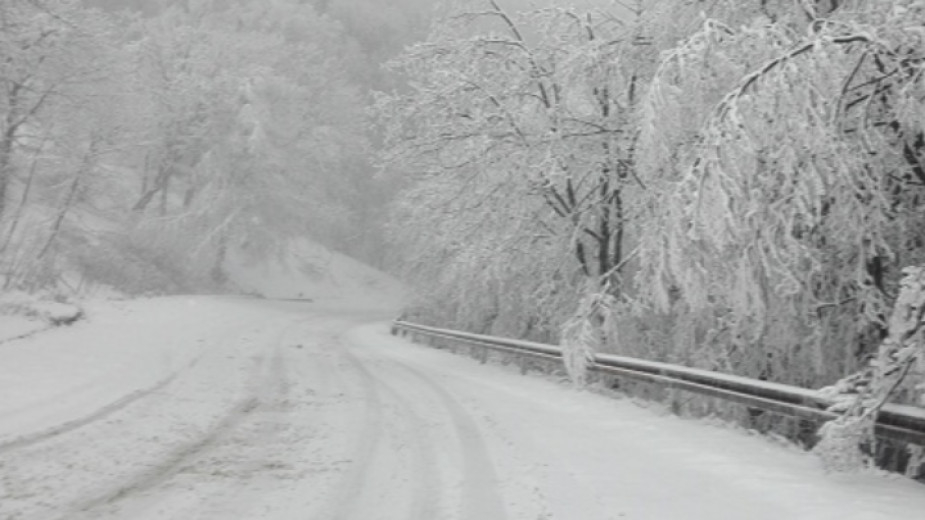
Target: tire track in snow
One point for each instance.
(220, 470)
(217, 468)
(27, 335)
(123, 448)
(176, 458)
(480, 497)
(100, 414)
(360, 482)
(174, 461)
(425, 500)
(346, 498)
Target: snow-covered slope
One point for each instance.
(310, 271)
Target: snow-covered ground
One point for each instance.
(245, 408)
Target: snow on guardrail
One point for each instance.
(903, 423)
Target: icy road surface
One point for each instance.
(246, 409)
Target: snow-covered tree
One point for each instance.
(59, 114)
(517, 129)
(247, 124)
(785, 155)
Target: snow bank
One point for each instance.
(23, 314)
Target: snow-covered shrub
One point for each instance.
(840, 446)
(51, 309)
(58, 313)
(860, 396)
(583, 334)
(916, 460)
(579, 341)
(143, 261)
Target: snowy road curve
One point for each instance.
(298, 412)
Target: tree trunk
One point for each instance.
(85, 166)
(159, 185)
(218, 269)
(23, 199)
(6, 168)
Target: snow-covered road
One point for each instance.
(285, 410)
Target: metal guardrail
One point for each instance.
(902, 423)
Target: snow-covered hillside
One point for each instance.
(309, 271)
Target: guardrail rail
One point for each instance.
(901, 423)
